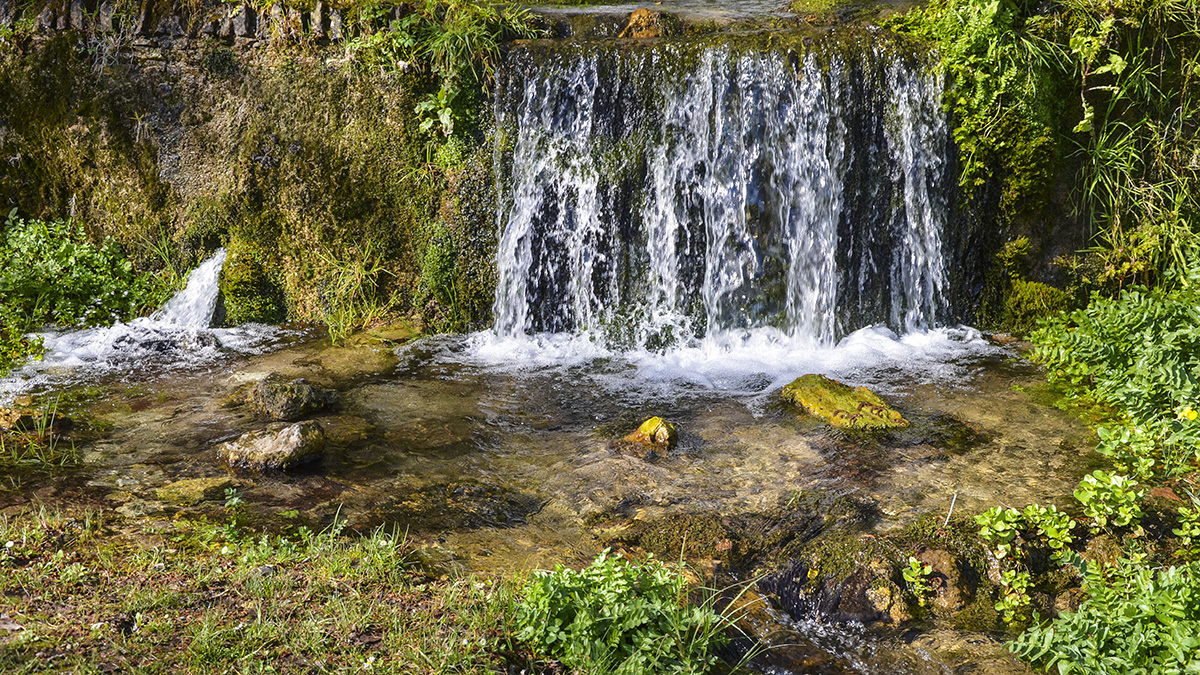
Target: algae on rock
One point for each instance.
(842, 405)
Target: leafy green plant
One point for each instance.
(51, 273)
(458, 41)
(1051, 524)
(917, 576)
(1014, 595)
(617, 616)
(999, 527)
(1137, 354)
(1002, 91)
(1188, 530)
(1134, 620)
(1109, 499)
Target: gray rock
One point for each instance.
(8, 11)
(318, 21)
(244, 22)
(44, 22)
(170, 26)
(335, 24)
(279, 446)
(77, 14)
(104, 17)
(289, 401)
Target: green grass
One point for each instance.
(94, 599)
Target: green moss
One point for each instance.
(841, 405)
(248, 290)
(1013, 304)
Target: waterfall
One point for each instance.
(667, 194)
(193, 307)
(177, 336)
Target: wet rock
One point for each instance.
(863, 596)
(643, 23)
(461, 505)
(289, 401)
(949, 587)
(192, 491)
(1069, 600)
(1103, 549)
(656, 432)
(842, 405)
(343, 430)
(279, 446)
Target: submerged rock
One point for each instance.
(289, 401)
(842, 405)
(656, 432)
(192, 491)
(864, 596)
(279, 446)
(949, 586)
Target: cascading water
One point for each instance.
(662, 196)
(179, 335)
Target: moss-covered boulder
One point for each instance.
(192, 491)
(248, 292)
(289, 401)
(656, 432)
(842, 405)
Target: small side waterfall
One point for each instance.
(193, 307)
(664, 194)
(179, 335)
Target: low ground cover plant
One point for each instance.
(620, 617)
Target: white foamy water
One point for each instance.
(757, 361)
(177, 336)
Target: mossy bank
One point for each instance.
(311, 169)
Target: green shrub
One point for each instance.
(1135, 620)
(457, 40)
(51, 274)
(619, 617)
(1139, 354)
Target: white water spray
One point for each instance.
(177, 336)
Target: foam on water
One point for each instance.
(755, 362)
(177, 336)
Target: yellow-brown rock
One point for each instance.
(655, 431)
(643, 23)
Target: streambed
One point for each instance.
(501, 464)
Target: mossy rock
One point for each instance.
(841, 405)
(655, 431)
(192, 491)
